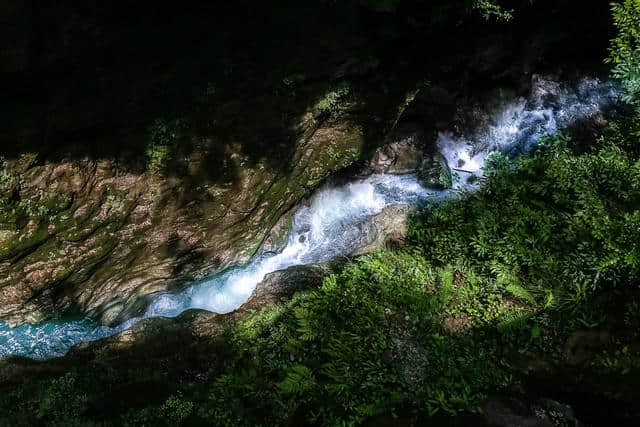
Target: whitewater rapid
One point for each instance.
(331, 224)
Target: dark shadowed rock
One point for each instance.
(404, 152)
(284, 283)
(412, 150)
(434, 171)
(512, 412)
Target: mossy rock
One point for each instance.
(434, 172)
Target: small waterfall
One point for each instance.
(331, 225)
(519, 124)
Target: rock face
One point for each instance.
(434, 172)
(285, 283)
(83, 235)
(511, 412)
(403, 154)
(411, 150)
(86, 229)
(388, 228)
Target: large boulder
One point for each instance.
(388, 228)
(514, 412)
(434, 172)
(411, 150)
(403, 152)
(284, 283)
(397, 157)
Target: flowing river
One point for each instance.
(332, 223)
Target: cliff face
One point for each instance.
(83, 234)
(145, 146)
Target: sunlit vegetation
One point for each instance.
(624, 52)
(164, 137)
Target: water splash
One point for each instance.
(332, 224)
(519, 124)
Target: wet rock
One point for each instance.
(404, 153)
(544, 90)
(156, 333)
(413, 151)
(284, 283)
(397, 157)
(388, 228)
(94, 240)
(583, 345)
(434, 172)
(277, 237)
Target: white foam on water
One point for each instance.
(332, 223)
(519, 124)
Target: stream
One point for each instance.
(331, 224)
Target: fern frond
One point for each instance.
(520, 292)
(513, 321)
(299, 379)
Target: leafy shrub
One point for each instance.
(489, 9)
(552, 222)
(176, 410)
(624, 51)
(341, 351)
(332, 102)
(62, 402)
(163, 141)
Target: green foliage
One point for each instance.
(163, 141)
(61, 402)
(484, 280)
(624, 51)
(513, 321)
(489, 9)
(176, 410)
(332, 103)
(340, 350)
(299, 379)
(552, 223)
(520, 292)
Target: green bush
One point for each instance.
(553, 222)
(163, 140)
(369, 341)
(624, 51)
(332, 103)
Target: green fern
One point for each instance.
(513, 321)
(520, 292)
(299, 379)
(306, 331)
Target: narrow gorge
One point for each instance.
(334, 222)
(364, 212)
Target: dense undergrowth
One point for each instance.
(487, 286)
(513, 269)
